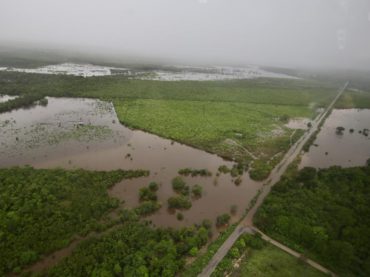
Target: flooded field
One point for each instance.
(85, 133)
(177, 73)
(343, 147)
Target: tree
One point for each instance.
(222, 220)
(197, 191)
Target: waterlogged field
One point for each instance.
(239, 119)
(348, 147)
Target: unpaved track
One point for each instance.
(276, 173)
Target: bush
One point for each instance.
(224, 169)
(179, 186)
(193, 251)
(147, 208)
(180, 216)
(222, 220)
(153, 186)
(197, 191)
(145, 194)
(195, 172)
(179, 202)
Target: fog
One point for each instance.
(291, 33)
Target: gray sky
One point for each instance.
(269, 32)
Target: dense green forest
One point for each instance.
(135, 249)
(41, 210)
(325, 215)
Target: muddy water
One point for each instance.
(346, 149)
(47, 137)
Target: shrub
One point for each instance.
(197, 191)
(147, 208)
(180, 216)
(153, 186)
(224, 169)
(179, 202)
(222, 220)
(145, 194)
(193, 251)
(178, 183)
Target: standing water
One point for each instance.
(346, 147)
(85, 133)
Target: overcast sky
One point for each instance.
(268, 32)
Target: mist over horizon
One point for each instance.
(285, 33)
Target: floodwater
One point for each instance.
(85, 70)
(173, 73)
(85, 133)
(346, 149)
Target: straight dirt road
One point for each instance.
(246, 225)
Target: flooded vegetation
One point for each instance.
(85, 133)
(344, 140)
(178, 73)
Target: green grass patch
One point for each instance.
(354, 100)
(228, 129)
(273, 262)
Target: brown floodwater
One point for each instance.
(85, 133)
(346, 149)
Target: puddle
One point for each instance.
(85, 133)
(346, 149)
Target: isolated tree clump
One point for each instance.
(222, 220)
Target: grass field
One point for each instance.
(353, 99)
(230, 129)
(271, 261)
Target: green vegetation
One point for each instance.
(354, 99)
(197, 191)
(147, 208)
(222, 220)
(238, 120)
(180, 216)
(179, 202)
(323, 214)
(273, 262)
(257, 258)
(179, 185)
(41, 210)
(202, 260)
(23, 101)
(134, 249)
(215, 126)
(195, 172)
(153, 186)
(148, 198)
(146, 194)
